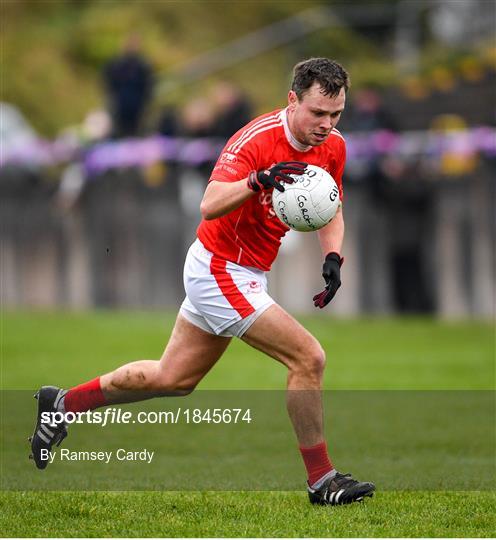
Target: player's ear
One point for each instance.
(292, 100)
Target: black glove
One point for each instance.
(271, 178)
(331, 272)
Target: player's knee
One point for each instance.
(317, 361)
(176, 386)
(310, 361)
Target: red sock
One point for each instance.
(317, 462)
(85, 397)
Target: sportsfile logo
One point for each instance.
(111, 415)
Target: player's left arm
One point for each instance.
(332, 235)
(331, 243)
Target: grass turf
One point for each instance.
(384, 354)
(243, 514)
(63, 349)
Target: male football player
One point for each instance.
(225, 281)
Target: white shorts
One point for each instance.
(222, 297)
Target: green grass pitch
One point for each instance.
(365, 354)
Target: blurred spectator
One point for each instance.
(407, 203)
(197, 118)
(368, 112)
(128, 82)
(168, 123)
(233, 109)
(400, 209)
(455, 160)
(196, 121)
(97, 125)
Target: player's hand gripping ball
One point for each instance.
(309, 202)
(274, 177)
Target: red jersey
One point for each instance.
(251, 234)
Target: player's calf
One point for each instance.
(145, 379)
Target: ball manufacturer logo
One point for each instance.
(304, 211)
(334, 194)
(281, 205)
(304, 180)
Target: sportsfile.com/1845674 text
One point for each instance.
(115, 415)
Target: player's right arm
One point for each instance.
(220, 198)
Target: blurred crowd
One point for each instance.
(128, 81)
(399, 193)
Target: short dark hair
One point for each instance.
(329, 74)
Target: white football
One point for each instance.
(310, 202)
